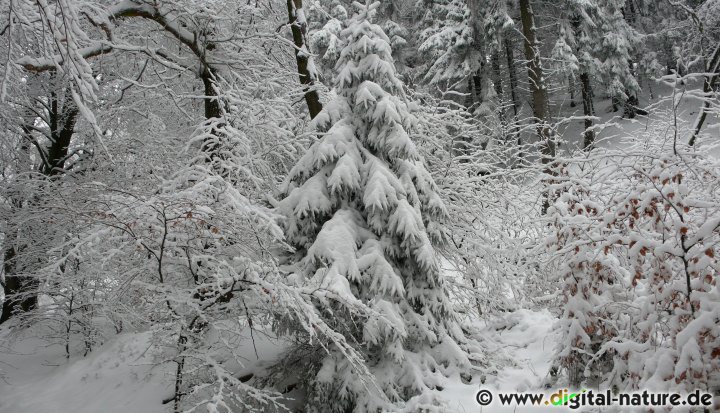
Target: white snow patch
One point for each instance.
(526, 337)
(115, 378)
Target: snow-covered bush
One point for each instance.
(591, 279)
(639, 267)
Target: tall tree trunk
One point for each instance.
(586, 92)
(537, 82)
(512, 74)
(213, 110)
(461, 144)
(298, 25)
(179, 372)
(712, 70)
(481, 91)
(20, 295)
(62, 127)
(514, 97)
(211, 102)
(21, 291)
(477, 91)
(588, 110)
(497, 83)
(571, 89)
(508, 126)
(214, 145)
(538, 89)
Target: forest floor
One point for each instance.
(116, 378)
(120, 376)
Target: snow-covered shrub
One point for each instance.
(640, 286)
(190, 263)
(591, 279)
(671, 219)
(496, 257)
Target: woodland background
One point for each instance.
(326, 206)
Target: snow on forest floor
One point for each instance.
(526, 338)
(115, 378)
(119, 377)
(614, 131)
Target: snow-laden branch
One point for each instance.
(43, 64)
(120, 10)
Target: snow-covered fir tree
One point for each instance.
(448, 42)
(364, 217)
(456, 40)
(326, 21)
(615, 50)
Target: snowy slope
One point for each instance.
(115, 378)
(122, 376)
(612, 129)
(119, 378)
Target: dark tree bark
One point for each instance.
(630, 106)
(476, 86)
(588, 110)
(179, 372)
(512, 74)
(302, 57)
(62, 128)
(13, 285)
(461, 144)
(712, 71)
(19, 291)
(479, 81)
(497, 83)
(539, 93)
(213, 112)
(211, 102)
(587, 96)
(508, 126)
